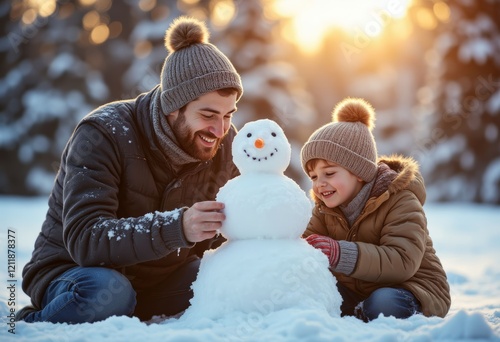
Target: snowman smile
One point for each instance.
(261, 158)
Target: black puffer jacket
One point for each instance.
(115, 199)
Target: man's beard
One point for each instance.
(188, 140)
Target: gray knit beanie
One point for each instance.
(347, 140)
(194, 66)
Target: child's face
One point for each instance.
(333, 184)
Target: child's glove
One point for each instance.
(328, 246)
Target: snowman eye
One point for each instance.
(249, 135)
(273, 134)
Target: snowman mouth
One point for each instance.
(261, 158)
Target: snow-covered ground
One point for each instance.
(466, 237)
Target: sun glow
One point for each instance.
(311, 20)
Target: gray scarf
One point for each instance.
(169, 146)
(352, 210)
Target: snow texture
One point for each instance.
(265, 283)
(465, 236)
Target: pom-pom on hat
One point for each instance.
(194, 66)
(347, 140)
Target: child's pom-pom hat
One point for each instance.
(347, 140)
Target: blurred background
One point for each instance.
(430, 68)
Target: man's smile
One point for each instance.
(209, 142)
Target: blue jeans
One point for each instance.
(91, 294)
(387, 301)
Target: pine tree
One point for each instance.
(36, 108)
(52, 75)
(460, 152)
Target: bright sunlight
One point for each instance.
(312, 19)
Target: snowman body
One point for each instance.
(264, 266)
(263, 206)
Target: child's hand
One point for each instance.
(328, 246)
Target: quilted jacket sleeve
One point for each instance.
(92, 233)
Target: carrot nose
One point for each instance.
(259, 143)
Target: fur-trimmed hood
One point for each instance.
(408, 176)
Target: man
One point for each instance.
(133, 205)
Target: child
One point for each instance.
(368, 219)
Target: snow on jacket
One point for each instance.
(116, 203)
(394, 245)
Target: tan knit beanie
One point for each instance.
(194, 66)
(347, 140)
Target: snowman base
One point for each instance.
(263, 276)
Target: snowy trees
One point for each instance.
(43, 87)
(62, 59)
(460, 147)
(47, 84)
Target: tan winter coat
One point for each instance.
(395, 249)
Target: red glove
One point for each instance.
(328, 246)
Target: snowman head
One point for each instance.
(261, 146)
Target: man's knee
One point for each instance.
(107, 293)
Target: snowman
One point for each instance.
(264, 266)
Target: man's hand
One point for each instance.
(202, 220)
(328, 246)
